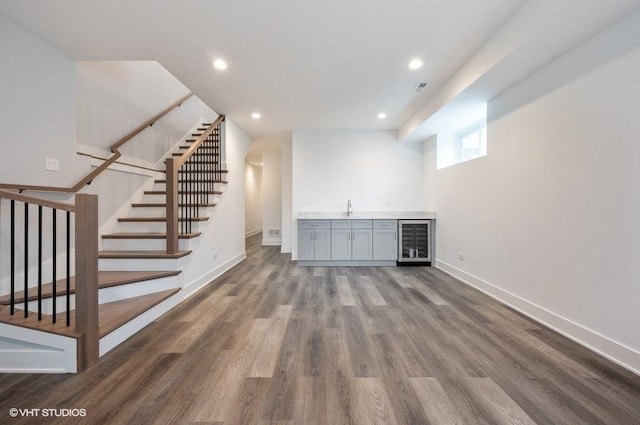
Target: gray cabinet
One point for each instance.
(385, 239)
(341, 240)
(351, 240)
(314, 240)
(361, 240)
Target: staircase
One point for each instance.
(138, 277)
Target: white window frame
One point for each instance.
(481, 128)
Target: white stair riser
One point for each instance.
(105, 295)
(136, 289)
(161, 211)
(156, 199)
(141, 244)
(155, 264)
(156, 226)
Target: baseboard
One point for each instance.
(252, 232)
(271, 242)
(193, 287)
(285, 249)
(618, 353)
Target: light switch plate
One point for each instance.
(52, 164)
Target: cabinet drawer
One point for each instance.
(361, 224)
(341, 224)
(313, 224)
(385, 224)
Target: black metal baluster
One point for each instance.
(26, 259)
(54, 271)
(39, 262)
(12, 304)
(68, 268)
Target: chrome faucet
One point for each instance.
(349, 208)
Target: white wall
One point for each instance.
(369, 167)
(271, 197)
(223, 243)
(38, 111)
(287, 213)
(253, 199)
(548, 220)
(116, 97)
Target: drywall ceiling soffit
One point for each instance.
(326, 65)
(539, 33)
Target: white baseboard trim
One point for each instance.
(252, 232)
(271, 241)
(285, 249)
(193, 287)
(618, 353)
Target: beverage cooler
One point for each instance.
(414, 242)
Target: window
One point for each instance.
(472, 142)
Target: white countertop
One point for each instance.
(366, 215)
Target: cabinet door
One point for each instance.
(361, 244)
(385, 244)
(322, 244)
(341, 244)
(305, 244)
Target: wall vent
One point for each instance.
(273, 232)
(419, 87)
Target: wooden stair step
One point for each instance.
(156, 219)
(147, 236)
(196, 153)
(115, 314)
(195, 181)
(106, 279)
(184, 192)
(188, 171)
(110, 315)
(162, 205)
(141, 254)
(44, 325)
(215, 148)
(200, 162)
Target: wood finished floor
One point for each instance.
(273, 343)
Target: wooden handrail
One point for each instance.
(37, 201)
(195, 145)
(114, 149)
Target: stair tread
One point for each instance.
(155, 219)
(162, 205)
(106, 279)
(115, 314)
(216, 171)
(160, 181)
(193, 140)
(151, 254)
(163, 192)
(151, 235)
(110, 315)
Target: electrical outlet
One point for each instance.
(215, 255)
(52, 164)
(461, 257)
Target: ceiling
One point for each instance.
(324, 65)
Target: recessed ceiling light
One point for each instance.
(415, 64)
(220, 64)
(255, 116)
(382, 116)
